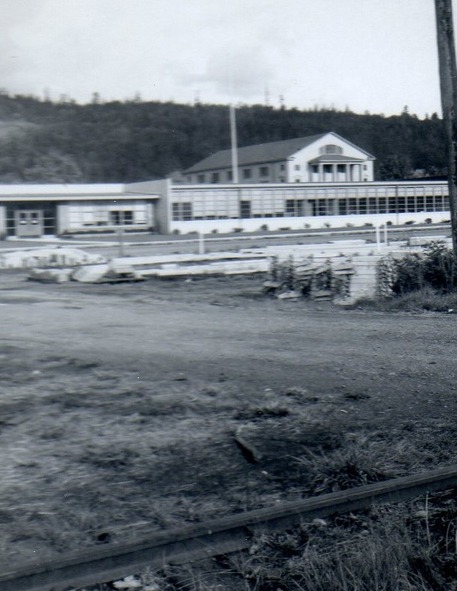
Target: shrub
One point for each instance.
(435, 268)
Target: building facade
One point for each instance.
(228, 208)
(324, 158)
(29, 211)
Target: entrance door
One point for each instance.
(29, 223)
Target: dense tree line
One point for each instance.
(46, 141)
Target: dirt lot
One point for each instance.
(119, 404)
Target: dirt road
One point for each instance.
(118, 403)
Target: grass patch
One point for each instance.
(426, 299)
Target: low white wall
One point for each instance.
(301, 223)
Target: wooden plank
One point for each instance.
(230, 534)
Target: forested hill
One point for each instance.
(45, 141)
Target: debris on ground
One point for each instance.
(55, 257)
(290, 280)
(250, 453)
(100, 273)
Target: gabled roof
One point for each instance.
(270, 152)
(259, 153)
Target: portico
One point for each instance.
(336, 169)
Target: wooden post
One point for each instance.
(448, 85)
(120, 236)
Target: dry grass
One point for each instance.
(425, 299)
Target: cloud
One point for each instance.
(244, 72)
(14, 16)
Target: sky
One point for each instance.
(365, 55)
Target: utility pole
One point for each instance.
(234, 143)
(448, 85)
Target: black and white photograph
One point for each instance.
(228, 295)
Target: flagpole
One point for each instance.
(234, 143)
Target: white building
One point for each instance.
(28, 211)
(314, 159)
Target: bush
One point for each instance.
(435, 268)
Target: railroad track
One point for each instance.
(222, 536)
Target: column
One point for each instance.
(3, 229)
(334, 172)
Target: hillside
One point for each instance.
(45, 141)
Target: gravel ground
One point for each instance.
(119, 403)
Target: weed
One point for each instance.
(434, 268)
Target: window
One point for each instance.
(201, 178)
(121, 218)
(214, 177)
(382, 205)
(229, 175)
(321, 207)
(264, 171)
(282, 167)
(294, 207)
(342, 207)
(372, 205)
(247, 173)
(182, 211)
(429, 205)
(245, 209)
(331, 149)
(297, 167)
(128, 217)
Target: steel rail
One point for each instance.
(221, 536)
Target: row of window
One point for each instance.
(105, 214)
(227, 176)
(185, 211)
(264, 173)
